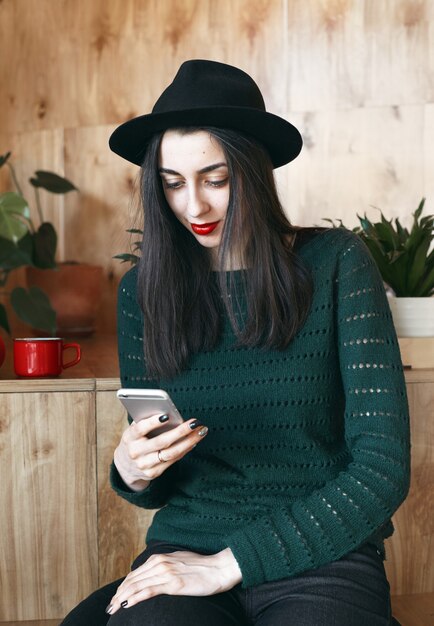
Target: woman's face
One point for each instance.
(195, 179)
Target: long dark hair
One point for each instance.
(179, 295)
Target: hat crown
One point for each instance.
(202, 84)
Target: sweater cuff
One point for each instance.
(249, 547)
(145, 498)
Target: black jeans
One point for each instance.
(352, 591)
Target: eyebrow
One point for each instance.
(204, 170)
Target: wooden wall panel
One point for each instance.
(338, 144)
(350, 53)
(96, 218)
(357, 77)
(36, 150)
(91, 63)
(397, 41)
(428, 149)
(325, 54)
(47, 454)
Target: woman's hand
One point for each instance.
(140, 458)
(178, 574)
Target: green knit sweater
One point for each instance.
(308, 453)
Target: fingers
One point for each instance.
(155, 462)
(139, 444)
(178, 573)
(159, 574)
(155, 585)
(144, 428)
(178, 434)
(147, 458)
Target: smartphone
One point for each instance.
(143, 403)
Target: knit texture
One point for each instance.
(308, 454)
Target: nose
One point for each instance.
(197, 205)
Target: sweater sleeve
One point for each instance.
(351, 508)
(133, 375)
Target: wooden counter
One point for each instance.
(64, 532)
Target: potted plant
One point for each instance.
(406, 265)
(131, 257)
(62, 298)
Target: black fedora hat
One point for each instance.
(207, 93)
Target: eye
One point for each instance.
(174, 185)
(218, 183)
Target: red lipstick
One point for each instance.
(204, 229)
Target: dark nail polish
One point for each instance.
(109, 608)
(124, 604)
(194, 424)
(163, 418)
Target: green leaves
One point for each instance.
(4, 319)
(4, 158)
(13, 208)
(22, 244)
(136, 245)
(33, 307)
(52, 182)
(14, 255)
(125, 258)
(45, 243)
(402, 257)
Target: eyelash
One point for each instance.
(211, 183)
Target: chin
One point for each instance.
(208, 243)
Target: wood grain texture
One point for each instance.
(337, 144)
(121, 526)
(410, 551)
(428, 152)
(356, 77)
(31, 151)
(47, 503)
(414, 610)
(417, 351)
(107, 197)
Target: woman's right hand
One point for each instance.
(139, 458)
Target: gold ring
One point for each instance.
(160, 458)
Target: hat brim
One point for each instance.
(280, 138)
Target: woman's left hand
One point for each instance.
(178, 574)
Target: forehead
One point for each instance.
(194, 150)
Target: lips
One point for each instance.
(204, 229)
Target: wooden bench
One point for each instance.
(414, 610)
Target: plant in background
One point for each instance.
(403, 257)
(128, 257)
(22, 244)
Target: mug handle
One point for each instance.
(77, 355)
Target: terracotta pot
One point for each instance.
(75, 291)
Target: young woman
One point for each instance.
(276, 343)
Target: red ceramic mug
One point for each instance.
(39, 357)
